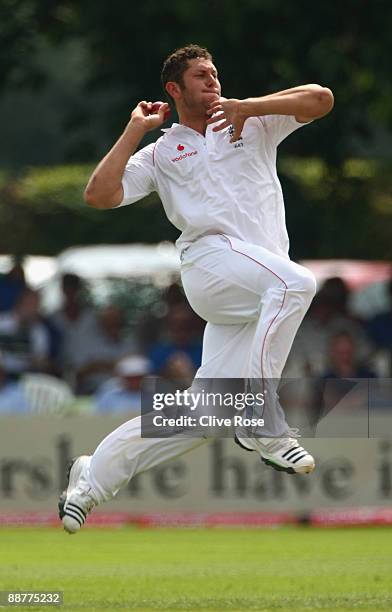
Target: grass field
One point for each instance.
(202, 569)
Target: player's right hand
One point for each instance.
(228, 112)
(149, 116)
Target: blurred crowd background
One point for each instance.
(70, 75)
(102, 353)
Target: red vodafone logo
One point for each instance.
(180, 148)
(184, 156)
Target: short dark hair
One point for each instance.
(71, 281)
(176, 63)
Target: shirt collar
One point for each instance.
(172, 127)
(175, 126)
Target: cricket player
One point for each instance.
(215, 173)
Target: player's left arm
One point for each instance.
(305, 103)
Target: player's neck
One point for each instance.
(197, 123)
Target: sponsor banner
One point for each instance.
(51, 519)
(16, 519)
(156, 519)
(353, 517)
(217, 477)
(219, 519)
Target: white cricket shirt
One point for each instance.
(209, 186)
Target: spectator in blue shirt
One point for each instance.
(12, 285)
(12, 396)
(123, 393)
(182, 339)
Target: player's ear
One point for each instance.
(173, 89)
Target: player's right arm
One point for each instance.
(104, 189)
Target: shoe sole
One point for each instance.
(72, 516)
(272, 464)
(278, 468)
(63, 496)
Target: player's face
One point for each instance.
(200, 85)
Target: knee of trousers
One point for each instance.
(303, 284)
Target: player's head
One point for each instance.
(190, 78)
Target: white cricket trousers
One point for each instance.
(253, 302)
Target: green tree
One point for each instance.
(71, 72)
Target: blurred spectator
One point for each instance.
(182, 330)
(12, 285)
(13, 399)
(337, 392)
(180, 369)
(151, 325)
(328, 315)
(24, 337)
(174, 295)
(123, 393)
(75, 321)
(343, 359)
(99, 353)
(379, 328)
(336, 294)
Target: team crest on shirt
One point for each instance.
(239, 143)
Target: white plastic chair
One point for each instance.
(46, 394)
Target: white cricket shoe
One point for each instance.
(283, 454)
(75, 502)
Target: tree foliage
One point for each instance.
(109, 56)
(330, 212)
(70, 73)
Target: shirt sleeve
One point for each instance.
(139, 177)
(278, 127)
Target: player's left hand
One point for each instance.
(229, 113)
